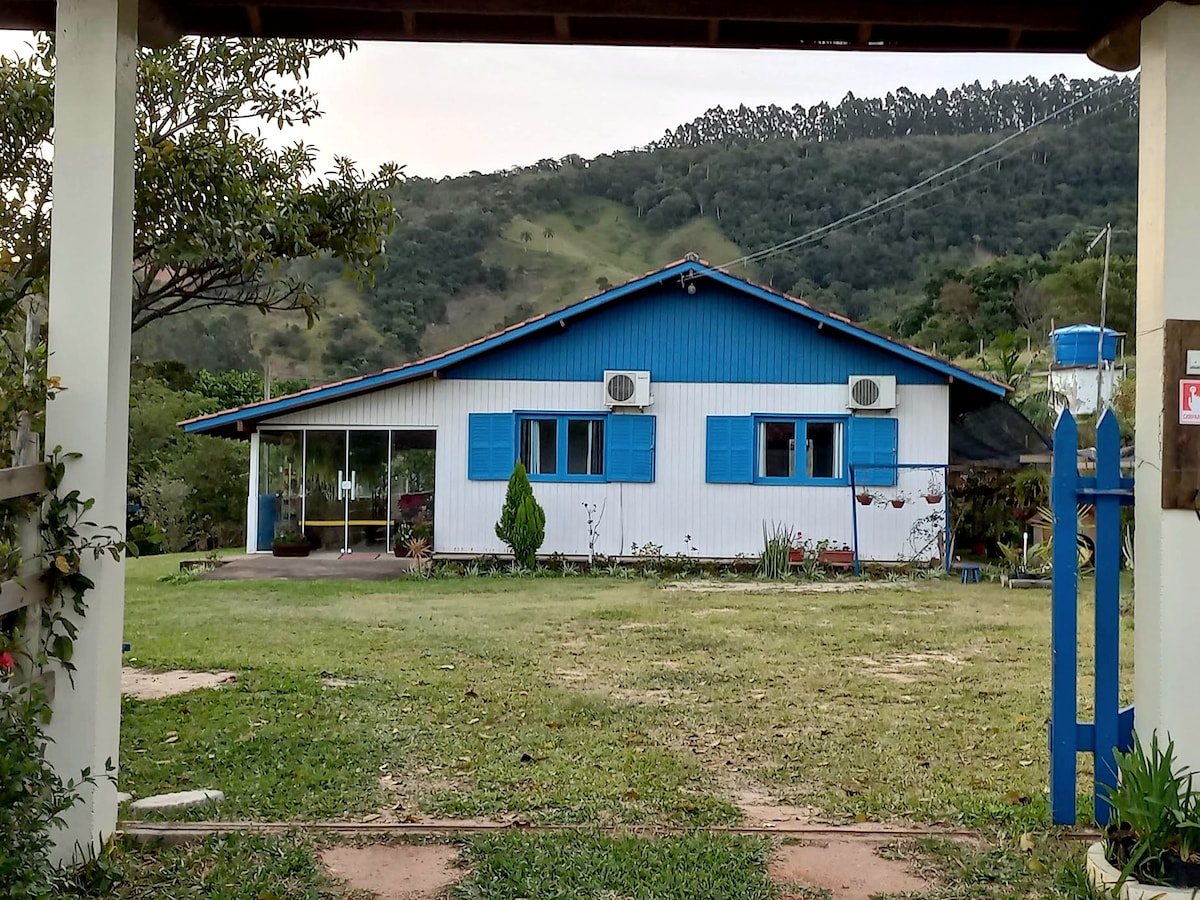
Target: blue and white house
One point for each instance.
(688, 408)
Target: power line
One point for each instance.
(852, 218)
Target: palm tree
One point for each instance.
(548, 234)
(1039, 404)
(526, 237)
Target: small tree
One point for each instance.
(522, 524)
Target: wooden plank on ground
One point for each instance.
(22, 481)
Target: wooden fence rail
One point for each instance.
(28, 590)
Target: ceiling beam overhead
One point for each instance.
(1107, 30)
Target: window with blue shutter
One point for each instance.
(729, 450)
(874, 442)
(630, 447)
(490, 446)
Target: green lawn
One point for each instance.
(597, 701)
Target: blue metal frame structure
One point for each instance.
(1112, 729)
(945, 468)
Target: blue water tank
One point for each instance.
(1077, 345)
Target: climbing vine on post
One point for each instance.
(46, 539)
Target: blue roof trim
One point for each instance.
(910, 353)
(426, 367)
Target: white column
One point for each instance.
(91, 277)
(1168, 614)
(252, 497)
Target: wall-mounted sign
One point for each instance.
(1189, 401)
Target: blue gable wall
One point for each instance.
(718, 334)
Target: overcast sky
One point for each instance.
(446, 109)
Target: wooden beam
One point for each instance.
(562, 29)
(14, 595)
(22, 481)
(1075, 15)
(409, 19)
(1014, 38)
(254, 17)
(864, 34)
(158, 24)
(1121, 48)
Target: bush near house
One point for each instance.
(522, 524)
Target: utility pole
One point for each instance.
(1107, 235)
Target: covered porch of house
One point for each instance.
(90, 293)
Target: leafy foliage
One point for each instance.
(218, 212)
(522, 524)
(1156, 809)
(191, 487)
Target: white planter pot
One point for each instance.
(1105, 876)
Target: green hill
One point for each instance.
(472, 254)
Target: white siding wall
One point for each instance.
(723, 520)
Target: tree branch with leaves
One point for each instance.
(218, 212)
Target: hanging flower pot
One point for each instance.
(898, 502)
(864, 498)
(933, 499)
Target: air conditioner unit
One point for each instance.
(624, 389)
(872, 392)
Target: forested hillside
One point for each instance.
(993, 246)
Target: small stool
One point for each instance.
(971, 573)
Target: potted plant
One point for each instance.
(419, 552)
(402, 533)
(934, 491)
(291, 542)
(866, 498)
(1154, 833)
(796, 554)
(898, 501)
(837, 557)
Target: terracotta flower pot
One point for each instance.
(898, 503)
(796, 556)
(864, 499)
(932, 499)
(836, 558)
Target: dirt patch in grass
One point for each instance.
(396, 871)
(905, 668)
(155, 685)
(843, 869)
(761, 809)
(785, 587)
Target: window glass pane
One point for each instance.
(539, 446)
(777, 441)
(824, 450)
(585, 447)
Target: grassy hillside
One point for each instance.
(595, 243)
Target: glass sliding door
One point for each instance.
(346, 490)
(280, 489)
(324, 491)
(367, 494)
(413, 466)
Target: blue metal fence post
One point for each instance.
(1108, 606)
(1064, 621)
(854, 519)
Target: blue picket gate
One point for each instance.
(1112, 729)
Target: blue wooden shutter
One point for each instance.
(873, 442)
(629, 448)
(729, 451)
(490, 451)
